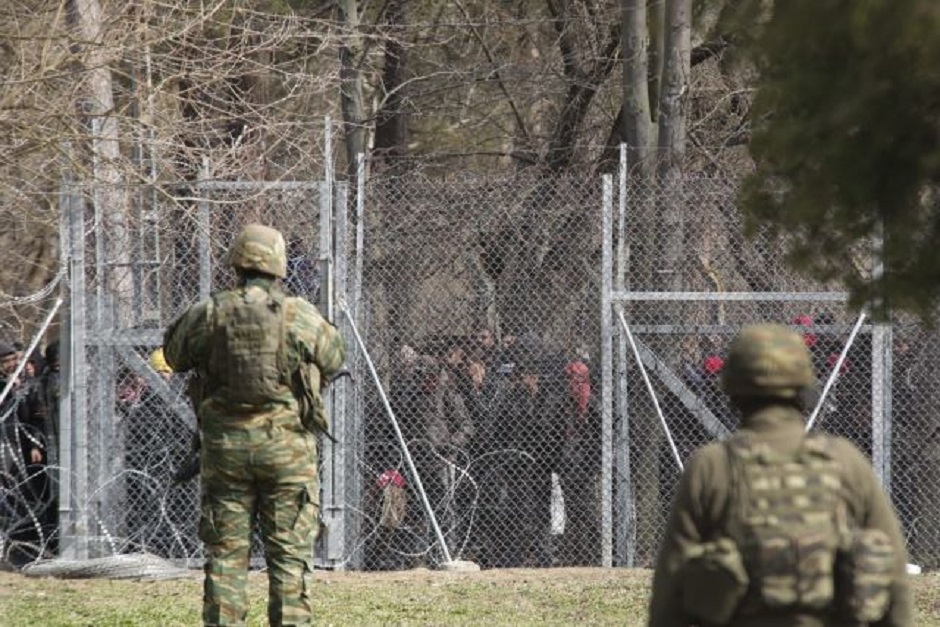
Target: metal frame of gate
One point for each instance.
(85, 462)
(619, 521)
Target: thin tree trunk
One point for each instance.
(637, 117)
(391, 123)
(672, 107)
(96, 107)
(672, 139)
(352, 105)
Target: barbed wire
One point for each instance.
(43, 293)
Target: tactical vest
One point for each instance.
(791, 548)
(788, 519)
(248, 365)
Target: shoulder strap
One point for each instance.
(284, 362)
(734, 490)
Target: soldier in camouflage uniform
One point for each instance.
(776, 527)
(246, 346)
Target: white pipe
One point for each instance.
(649, 386)
(398, 433)
(835, 372)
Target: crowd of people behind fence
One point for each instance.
(505, 438)
(506, 441)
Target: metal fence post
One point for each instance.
(205, 232)
(624, 505)
(882, 362)
(341, 530)
(73, 472)
(331, 498)
(606, 377)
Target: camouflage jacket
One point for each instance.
(309, 337)
(700, 514)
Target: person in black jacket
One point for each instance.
(29, 517)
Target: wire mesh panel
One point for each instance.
(915, 439)
(676, 404)
(482, 305)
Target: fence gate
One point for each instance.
(680, 282)
(125, 429)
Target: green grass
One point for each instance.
(583, 596)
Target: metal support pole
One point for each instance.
(881, 400)
(73, 472)
(335, 454)
(331, 501)
(606, 378)
(834, 374)
(398, 434)
(624, 499)
(649, 387)
(360, 234)
(204, 235)
(882, 356)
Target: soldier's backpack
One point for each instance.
(248, 363)
(789, 521)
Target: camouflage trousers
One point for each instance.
(270, 471)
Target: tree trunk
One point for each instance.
(96, 110)
(672, 106)
(354, 116)
(637, 116)
(391, 128)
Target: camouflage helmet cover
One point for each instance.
(260, 248)
(768, 360)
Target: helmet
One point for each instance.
(260, 248)
(157, 361)
(768, 360)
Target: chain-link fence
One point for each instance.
(482, 307)
(686, 280)
(546, 352)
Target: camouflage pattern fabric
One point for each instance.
(793, 484)
(249, 366)
(865, 574)
(269, 465)
(256, 455)
(702, 513)
(792, 522)
(259, 247)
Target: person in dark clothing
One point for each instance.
(580, 468)
(28, 500)
(538, 422)
(494, 456)
(156, 444)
